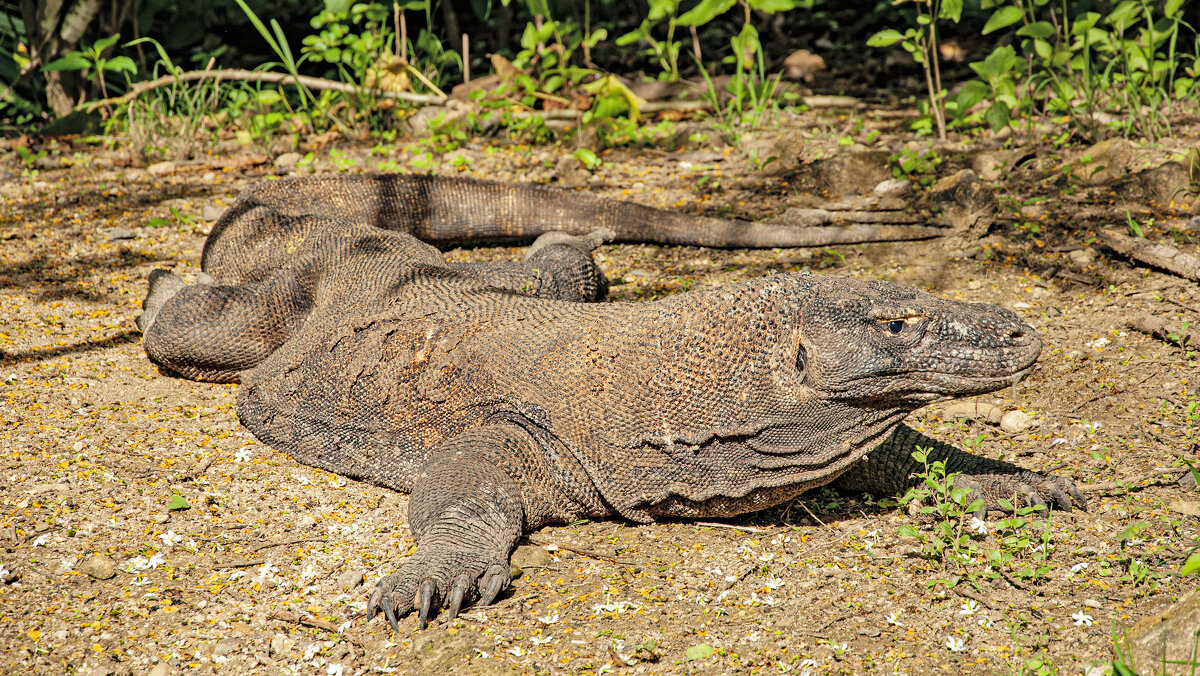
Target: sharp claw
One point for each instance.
(428, 590)
(390, 613)
(373, 605)
(494, 585)
(456, 595)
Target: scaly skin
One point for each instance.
(502, 402)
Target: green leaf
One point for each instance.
(177, 503)
(120, 64)
(1171, 9)
(971, 93)
(662, 8)
(885, 38)
(997, 116)
(951, 9)
(772, 6)
(68, 61)
(1003, 18)
(630, 37)
(1037, 29)
(104, 43)
(1192, 564)
(706, 11)
(907, 530)
(1042, 48)
(698, 652)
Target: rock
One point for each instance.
(288, 160)
(118, 233)
(803, 65)
(305, 522)
(992, 166)
(975, 410)
(349, 580)
(1016, 421)
(1082, 257)
(281, 644)
(160, 669)
(570, 171)
(852, 173)
(224, 647)
(99, 566)
(967, 203)
(528, 556)
(212, 212)
(1167, 183)
(894, 187)
(100, 671)
(1103, 162)
(161, 168)
(1172, 634)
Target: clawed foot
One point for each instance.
(1037, 490)
(427, 583)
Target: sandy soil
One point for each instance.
(268, 568)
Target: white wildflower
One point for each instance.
(979, 525)
(344, 626)
(774, 583)
(892, 620)
(41, 540)
(986, 622)
(969, 608)
(840, 648)
(955, 644)
(605, 669)
(516, 651)
(482, 654)
(236, 575)
(1076, 569)
(542, 640)
(243, 455)
(334, 670)
(140, 581)
(1082, 619)
(136, 564)
(266, 570)
(549, 618)
(170, 537)
(155, 561)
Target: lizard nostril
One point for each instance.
(1016, 334)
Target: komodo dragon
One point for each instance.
(501, 402)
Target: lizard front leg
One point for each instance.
(471, 501)
(889, 470)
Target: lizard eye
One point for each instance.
(896, 325)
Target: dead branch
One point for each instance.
(241, 75)
(1155, 254)
(1162, 330)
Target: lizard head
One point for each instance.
(891, 344)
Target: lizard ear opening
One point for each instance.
(801, 359)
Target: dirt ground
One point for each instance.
(144, 531)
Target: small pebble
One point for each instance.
(306, 521)
(1016, 421)
(100, 567)
(161, 168)
(349, 580)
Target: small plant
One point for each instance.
(946, 540)
(916, 165)
(93, 59)
(921, 42)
